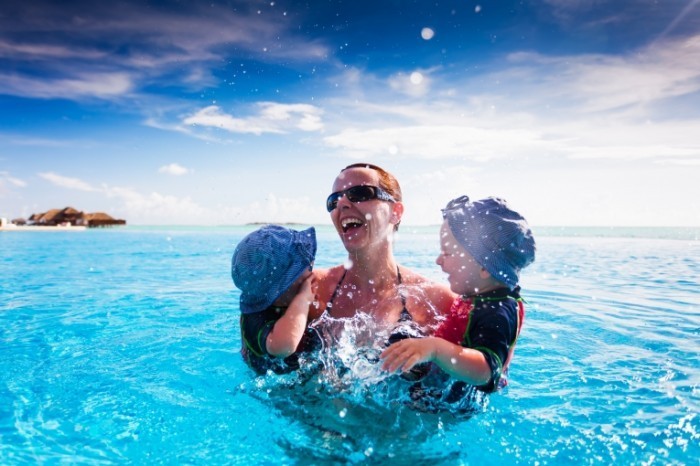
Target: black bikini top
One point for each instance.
(405, 315)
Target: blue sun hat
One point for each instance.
(498, 238)
(267, 261)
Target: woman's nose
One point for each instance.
(343, 201)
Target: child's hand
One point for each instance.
(307, 290)
(404, 354)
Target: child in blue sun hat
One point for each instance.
(484, 246)
(272, 266)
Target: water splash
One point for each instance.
(347, 403)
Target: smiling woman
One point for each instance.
(366, 209)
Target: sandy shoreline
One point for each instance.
(43, 228)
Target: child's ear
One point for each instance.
(484, 274)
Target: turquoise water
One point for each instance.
(122, 347)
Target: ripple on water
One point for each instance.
(124, 348)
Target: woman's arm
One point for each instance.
(461, 363)
(285, 336)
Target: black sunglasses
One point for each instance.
(358, 194)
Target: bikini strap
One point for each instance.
(405, 315)
(329, 304)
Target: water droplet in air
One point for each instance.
(427, 33)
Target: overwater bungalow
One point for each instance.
(70, 216)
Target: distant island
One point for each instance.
(66, 217)
(255, 224)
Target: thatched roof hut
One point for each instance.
(48, 218)
(101, 219)
(69, 215)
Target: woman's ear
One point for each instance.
(396, 212)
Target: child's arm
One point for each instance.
(461, 363)
(289, 329)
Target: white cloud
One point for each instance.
(301, 116)
(173, 169)
(212, 116)
(437, 142)
(189, 130)
(45, 65)
(100, 85)
(415, 84)
(275, 209)
(425, 193)
(67, 182)
(35, 51)
(7, 178)
(684, 162)
(597, 83)
(21, 140)
(157, 209)
(569, 106)
(272, 118)
(160, 209)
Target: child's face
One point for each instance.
(464, 274)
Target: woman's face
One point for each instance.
(360, 224)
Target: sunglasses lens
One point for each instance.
(356, 194)
(361, 193)
(332, 201)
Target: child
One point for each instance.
(272, 268)
(484, 245)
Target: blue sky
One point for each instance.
(581, 112)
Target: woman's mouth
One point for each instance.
(350, 223)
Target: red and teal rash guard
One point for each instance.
(489, 323)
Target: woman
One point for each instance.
(366, 210)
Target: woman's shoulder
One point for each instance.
(438, 293)
(327, 279)
(329, 274)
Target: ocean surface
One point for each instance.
(122, 346)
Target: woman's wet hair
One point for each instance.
(387, 182)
